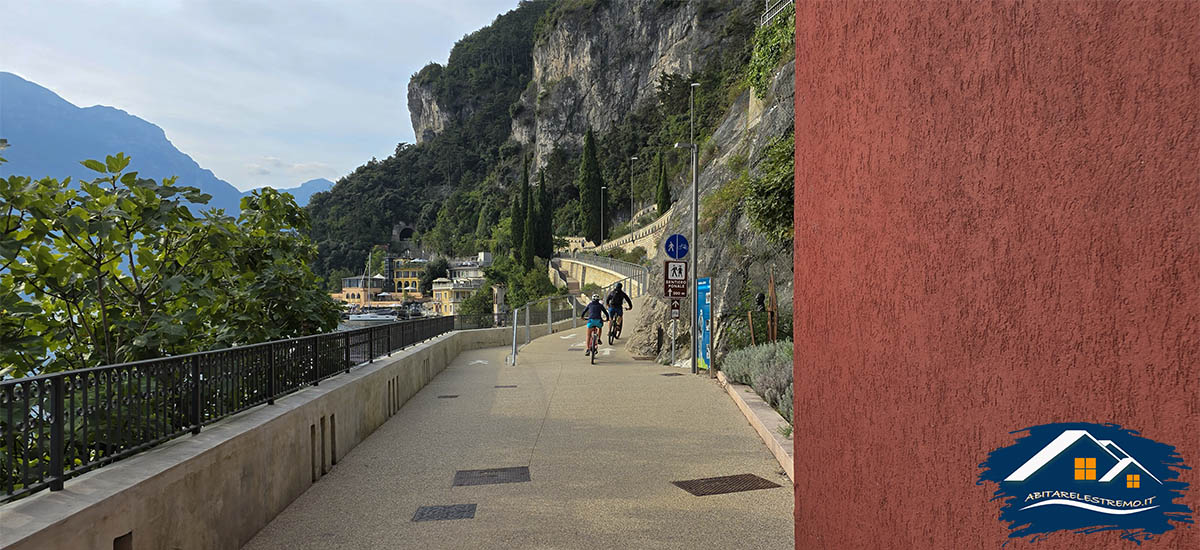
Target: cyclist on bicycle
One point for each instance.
(614, 301)
(595, 315)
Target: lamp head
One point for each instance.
(694, 84)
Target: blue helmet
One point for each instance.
(618, 286)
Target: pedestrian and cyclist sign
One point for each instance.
(675, 279)
(676, 247)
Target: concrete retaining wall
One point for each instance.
(220, 487)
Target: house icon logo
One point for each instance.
(1086, 478)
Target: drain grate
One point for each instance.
(453, 511)
(724, 484)
(491, 476)
(512, 386)
(671, 374)
(447, 396)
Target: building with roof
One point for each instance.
(449, 293)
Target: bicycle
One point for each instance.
(614, 330)
(595, 345)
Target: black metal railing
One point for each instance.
(57, 426)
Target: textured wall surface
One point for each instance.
(997, 226)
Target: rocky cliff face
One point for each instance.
(595, 65)
(738, 258)
(428, 119)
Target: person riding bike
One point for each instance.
(614, 301)
(595, 315)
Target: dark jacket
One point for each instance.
(618, 297)
(595, 310)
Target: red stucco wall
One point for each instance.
(997, 226)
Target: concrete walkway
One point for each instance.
(603, 444)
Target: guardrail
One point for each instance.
(614, 265)
(771, 8)
(57, 426)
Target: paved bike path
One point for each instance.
(602, 443)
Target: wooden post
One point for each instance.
(750, 316)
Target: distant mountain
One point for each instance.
(49, 136)
(306, 189)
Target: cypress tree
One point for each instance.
(531, 215)
(518, 225)
(589, 183)
(663, 198)
(546, 227)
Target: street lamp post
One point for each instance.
(631, 201)
(695, 249)
(602, 188)
(695, 234)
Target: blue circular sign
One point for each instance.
(676, 246)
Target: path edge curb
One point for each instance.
(764, 420)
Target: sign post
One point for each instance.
(675, 279)
(675, 283)
(676, 246)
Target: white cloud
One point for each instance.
(318, 86)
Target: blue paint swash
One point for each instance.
(1086, 478)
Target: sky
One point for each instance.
(261, 92)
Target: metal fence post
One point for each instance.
(196, 416)
(271, 373)
(514, 353)
(346, 350)
(56, 434)
(389, 340)
(316, 365)
(527, 323)
(674, 335)
(550, 316)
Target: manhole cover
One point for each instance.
(724, 484)
(447, 396)
(512, 386)
(672, 374)
(453, 511)
(491, 476)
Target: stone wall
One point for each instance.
(220, 487)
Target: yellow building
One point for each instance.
(449, 293)
(406, 276)
(361, 290)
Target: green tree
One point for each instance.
(376, 261)
(663, 195)
(334, 282)
(589, 183)
(479, 304)
(273, 294)
(545, 248)
(529, 233)
(518, 220)
(118, 269)
(434, 270)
